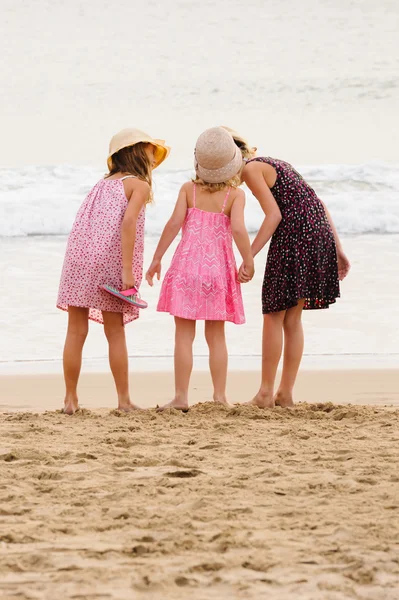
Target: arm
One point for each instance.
(169, 233)
(253, 177)
(138, 197)
(343, 261)
(241, 237)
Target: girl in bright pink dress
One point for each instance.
(105, 247)
(202, 282)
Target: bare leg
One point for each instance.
(215, 338)
(78, 326)
(293, 350)
(184, 338)
(272, 345)
(118, 359)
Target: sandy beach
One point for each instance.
(220, 503)
(40, 393)
(216, 503)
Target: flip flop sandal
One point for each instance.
(130, 296)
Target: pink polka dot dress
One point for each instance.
(94, 253)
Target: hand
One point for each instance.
(155, 269)
(343, 265)
(128, 279)
(246, 272)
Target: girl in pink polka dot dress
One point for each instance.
(105, 247)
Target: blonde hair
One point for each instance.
(234, 182)
(133, 160)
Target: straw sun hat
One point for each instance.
(131, 137)
(217, 158)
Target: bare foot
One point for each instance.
(128, 407)
(283, 400)
(221, 400)
(71, 405)
(261, 400)
(176, 403)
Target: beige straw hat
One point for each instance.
(217, 158)
(130, 137)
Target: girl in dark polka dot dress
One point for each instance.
(304, 265)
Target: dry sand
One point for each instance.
(216, 503)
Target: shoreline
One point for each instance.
(237, 362)
(40, 393)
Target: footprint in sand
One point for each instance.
(184, 474)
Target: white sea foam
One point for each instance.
(44, 200)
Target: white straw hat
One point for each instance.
(217, 158)
(131, 137)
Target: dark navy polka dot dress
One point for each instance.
(302, 258)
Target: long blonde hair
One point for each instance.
(133, 160)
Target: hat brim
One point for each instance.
(224, 173)
(161, 152)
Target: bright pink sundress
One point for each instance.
(201, 283)
(94, 253)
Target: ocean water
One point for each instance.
(360, 330)
(44, 200)
(316, 85)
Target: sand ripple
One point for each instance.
(216, 503)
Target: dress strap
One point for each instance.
(127, 176)
(194, 195)
(225, 200)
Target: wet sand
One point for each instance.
(45, 392)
